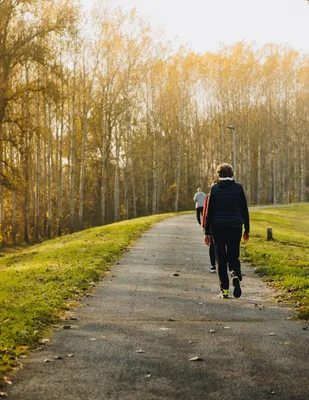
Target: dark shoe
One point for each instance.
(212, 269)
(237, 288)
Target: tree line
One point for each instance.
(102, 120)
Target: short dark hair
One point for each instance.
(225, 171)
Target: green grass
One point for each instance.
(39, 283)
(283, 261)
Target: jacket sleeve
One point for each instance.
(245, 211)
(209, 212)
(204, 211)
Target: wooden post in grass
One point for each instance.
(269, 234)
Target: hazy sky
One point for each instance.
(207, 24)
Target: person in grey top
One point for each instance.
(199, 198)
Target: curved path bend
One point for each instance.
(133, 338)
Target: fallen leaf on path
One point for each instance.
(272, 334)
(196, 358)
(140, 351)
(226, 327)
(3, 395)
(46, 360)
(70, 355)
(164, 329)
(93, 339)
(58, 358)
(171, 320)
(44, 341)
(305, 328)
(175, 274)
(66, 327)
(212, 331)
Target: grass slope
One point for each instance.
(39, 283)
(283, 261)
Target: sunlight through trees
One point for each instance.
(100, 120)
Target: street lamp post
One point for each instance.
(233, 128)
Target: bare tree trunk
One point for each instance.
(303, 167)
(13, 201)
(133, 193)
(38, 172)
(274, 181)
(82, 171)
(127, 170)
(44, 203)
(117, 178)
(249, 174)
(72, 180)
(1, 189)
(106, 138)
(49, 174)
(103, 176)
(178, 170)
(26, 165)
(146, 191)
(286, 180)
(154, 176)
(60, 189)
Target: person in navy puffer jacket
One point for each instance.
(227, 212)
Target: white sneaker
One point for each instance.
(212, 269)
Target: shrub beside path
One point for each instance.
(155, 328)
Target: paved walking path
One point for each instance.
(136, 333)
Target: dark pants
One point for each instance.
(199, 212)
(227, 248)
(212, 254)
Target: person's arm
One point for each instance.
(245, 214)
(209, 212)
(204, 211)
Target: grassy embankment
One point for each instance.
(283, 261)
(39, 283)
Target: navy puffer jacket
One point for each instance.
(227, 206)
